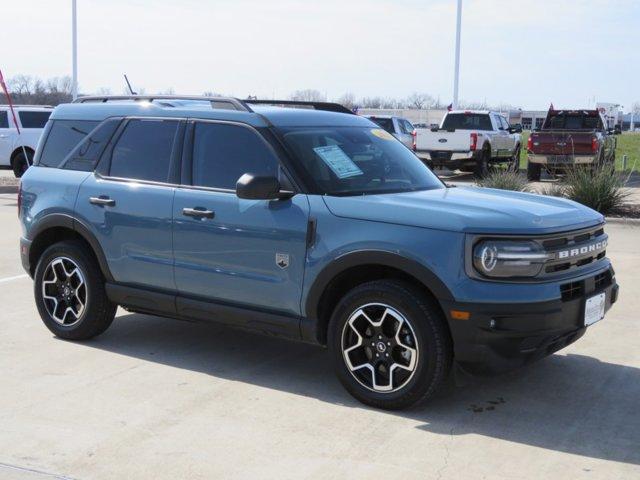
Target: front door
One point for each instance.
(247, 253)
(6, 138)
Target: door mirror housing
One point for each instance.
(517, 128)
(256, 187)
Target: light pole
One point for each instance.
(74, 51)
(457, 62)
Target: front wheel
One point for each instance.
(70, 293)
(389, 344)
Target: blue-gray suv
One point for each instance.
(308, 222)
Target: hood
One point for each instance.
(469, 209)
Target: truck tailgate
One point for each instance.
(562, 142)
(443, 140)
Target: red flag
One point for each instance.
(6, 92)
(449, 107)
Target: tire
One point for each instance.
(408, 312)
(85, 311)
(482, 164)
(20, 163)
(514, 163)
(533, 171)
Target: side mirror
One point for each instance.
(254, 187)
(516, 128)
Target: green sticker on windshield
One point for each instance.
(338, 161)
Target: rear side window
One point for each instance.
(385, 123)
(222, 153)
(33, 119)
(143, 151)
(63, 137)
(4, 120)
(86, 154)
(467, 121)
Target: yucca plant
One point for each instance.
(505, 180)
(600, 187)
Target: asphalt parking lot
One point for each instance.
(158, 398)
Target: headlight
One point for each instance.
(509, 258)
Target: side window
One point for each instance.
(222, 153)
(33, 119)
(4, 120)
(504, 122)
(63, 137)
(85, 155)
(406, 127)
(143, 151)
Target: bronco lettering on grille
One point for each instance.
(583, 250)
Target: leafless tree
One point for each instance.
(348, 100)
(29, 90)
(419, 101)
(308, 95)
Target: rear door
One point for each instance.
(248, 253)
(128, 203)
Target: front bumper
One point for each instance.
(561, 160)
(500, 337)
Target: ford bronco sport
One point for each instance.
(309, 223)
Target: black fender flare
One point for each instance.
(372, 257)
(56, 220)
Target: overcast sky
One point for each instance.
(525, 53)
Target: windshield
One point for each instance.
(467, 121)
(358, 161)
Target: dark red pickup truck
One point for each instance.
(569, 137)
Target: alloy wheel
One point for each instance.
(64, 291)
(379, 348)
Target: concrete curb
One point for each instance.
(623, 221)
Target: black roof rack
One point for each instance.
(228, 103)
(326, 106)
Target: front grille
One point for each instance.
(572, 290)
(572, 250)
(578, 289)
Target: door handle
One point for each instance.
(102, 200)
(198, 212)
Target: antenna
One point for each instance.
(129, 85)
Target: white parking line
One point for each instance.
(16, 277)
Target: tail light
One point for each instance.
(595, 145)
(19, 198)
(474, 141)
(414, 134)
(530, 143)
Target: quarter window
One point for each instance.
(4, 120)
(63, 137)
(222, 153)
(143, 151)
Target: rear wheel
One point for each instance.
(70, 294)
(533, 171)
(482, 164)
(389, 344)
(21, 162)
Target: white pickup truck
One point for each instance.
(470, 140)
(17, 149)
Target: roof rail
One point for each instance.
(228, 103)
(26, 105)
(326, 106)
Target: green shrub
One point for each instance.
(505, 180)
(600, 188)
